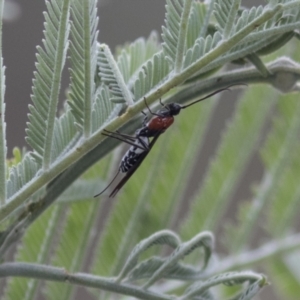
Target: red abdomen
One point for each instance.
(160, 124)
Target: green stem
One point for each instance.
(44, 272)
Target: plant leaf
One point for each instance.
(133, 57)
(225, 13)
(22, 173)
(65, 134)
(260, 38)
(174, 34)
(177, 271)
(159, 238)
(196, 23)
(83, 58)
(174, 10)
(203, 239)
(256, 282)
(153, 72)
(111, 75)
(103, 109)
(46, 84)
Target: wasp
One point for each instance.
(141, 143)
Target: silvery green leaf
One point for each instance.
(154, 71)
(111, 75)
(178, 271)
(83, 58)
(46, 85)
(164, 237)
(203, 240)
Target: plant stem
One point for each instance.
(45, 272)
(37, 271)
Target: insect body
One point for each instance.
(157, 124)
(133, 154)
(164, 117)
(140, 147)
(140, 143)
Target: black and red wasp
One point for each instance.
(140, 142)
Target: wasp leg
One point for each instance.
(127, 141)
(145, 118)
(151, 112)
(119, 134)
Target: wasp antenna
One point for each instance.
(108, 184)
(212, 94)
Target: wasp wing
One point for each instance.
(134, 168)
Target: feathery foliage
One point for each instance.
(50, 61)
(83, 58)
(112, 77)
(125, 245)
(132, 57)
(151, 75)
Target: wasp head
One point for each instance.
(171, 109)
